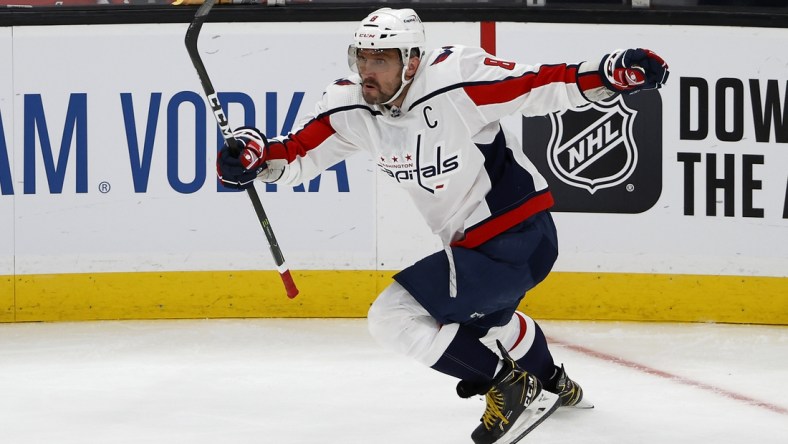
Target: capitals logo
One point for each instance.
(430, 172)
(575, 152)
(604, 157)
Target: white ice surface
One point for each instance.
(325, 381)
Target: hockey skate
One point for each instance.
(569, 392)
(516, 404)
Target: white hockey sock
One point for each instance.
(517, 336)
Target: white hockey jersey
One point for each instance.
(445, 146)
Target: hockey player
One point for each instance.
(431, 122)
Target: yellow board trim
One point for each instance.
(660, 297)
(349, 293)
(6, 299)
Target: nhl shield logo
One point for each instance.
(597, 151)
(601, 158)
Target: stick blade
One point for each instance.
(290, 286)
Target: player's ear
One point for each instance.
(413, 65)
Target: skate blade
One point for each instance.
(544, 405)
(583, 404)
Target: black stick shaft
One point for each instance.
(192, 36)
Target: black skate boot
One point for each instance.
(516, 404)
(569, 392)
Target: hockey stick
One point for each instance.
(192, 35)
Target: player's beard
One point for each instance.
(382, 96)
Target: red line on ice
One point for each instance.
(676, 378)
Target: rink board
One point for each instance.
(582, 296)
(7, 303)
(109, 208)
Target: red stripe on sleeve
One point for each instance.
(510, 89)
(589, 80)
(314, 133)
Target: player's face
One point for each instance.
(381, 74)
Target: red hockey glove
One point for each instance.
(631, 70)
(238, 167)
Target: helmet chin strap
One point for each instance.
(405, 82)
(399, 91)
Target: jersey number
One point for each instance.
(505, 65)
